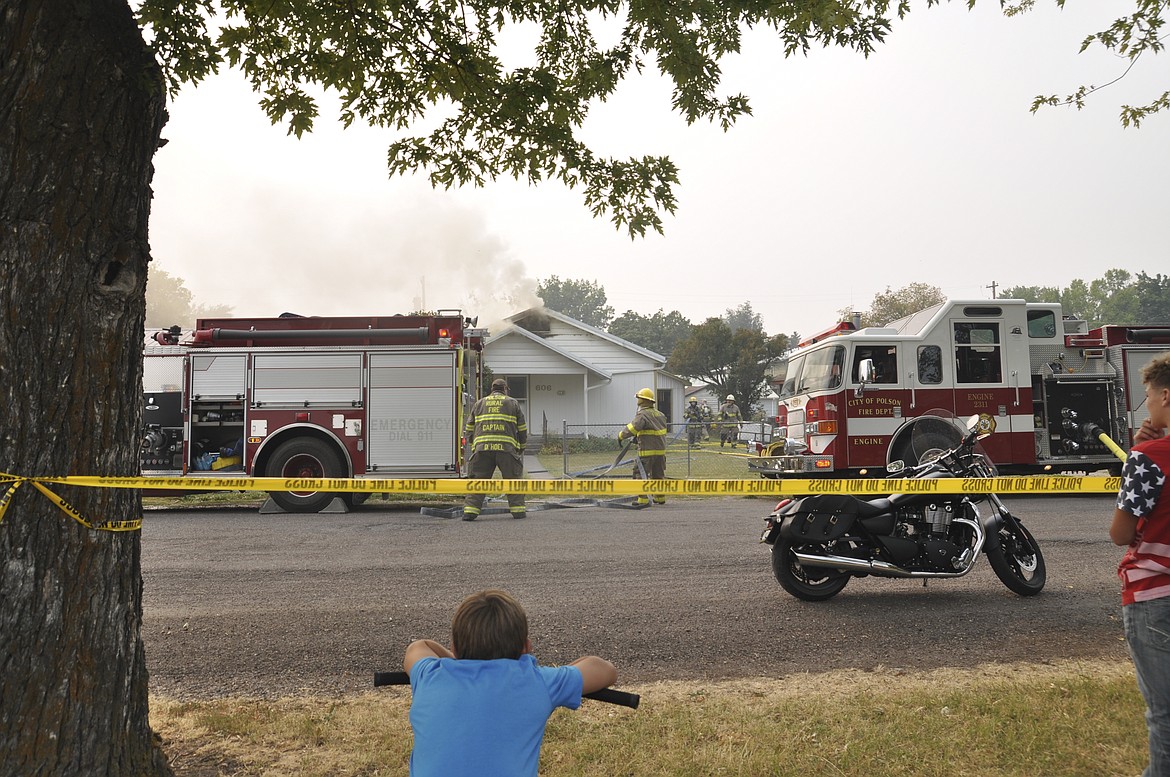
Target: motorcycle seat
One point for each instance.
(868, 509)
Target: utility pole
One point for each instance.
(993, 287)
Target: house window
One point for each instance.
(517, 386)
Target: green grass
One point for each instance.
(1070, 718)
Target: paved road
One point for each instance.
(237, 602)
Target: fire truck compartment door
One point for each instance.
(412, 412)
(218, 376)
(307, 379)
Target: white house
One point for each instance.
(565, 371)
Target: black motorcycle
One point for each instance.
(819, 542)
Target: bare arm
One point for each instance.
(423, 648)
(1124, 527)
(596, 673)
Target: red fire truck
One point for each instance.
(1036, 378)
(297, 397)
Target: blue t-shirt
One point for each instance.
(482, 718)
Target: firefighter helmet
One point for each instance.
(694, 399)
(646, 394)
(730, 397)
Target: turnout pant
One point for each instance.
(655, 468)
(482, 466)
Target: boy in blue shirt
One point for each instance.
(480, 708)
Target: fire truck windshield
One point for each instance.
(791, 376)
(822, 369)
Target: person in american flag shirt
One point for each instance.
(1141, 521)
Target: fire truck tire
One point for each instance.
(305, 457)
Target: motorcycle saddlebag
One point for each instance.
(820, 518)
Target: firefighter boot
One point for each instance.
(659, 500)
(641, 501)
(470, 513)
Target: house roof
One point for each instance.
(516, 318)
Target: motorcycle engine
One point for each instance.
(929, 527)
(941, 555)
(939, 517)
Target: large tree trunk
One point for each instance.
(81, 111)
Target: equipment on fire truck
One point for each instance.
(1036, 378)
(309, 398)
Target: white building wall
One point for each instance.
(516, 355)
(555, 399)
(615, 403)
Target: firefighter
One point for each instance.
(693, 415)
(731, 418)
(497, 431)
(649, 427)
(708, 417)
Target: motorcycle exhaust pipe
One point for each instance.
(883, 568)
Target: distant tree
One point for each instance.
(579, 299)
(658, 333)
(743, 317)
(169, 302)
(728, 362)
(1153, 298)
(1031, 293)
(1117, 297)
(893, 304)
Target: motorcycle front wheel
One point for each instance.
(812, 584)
(1018, 562)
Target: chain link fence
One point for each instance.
(714, 450)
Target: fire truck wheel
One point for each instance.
(304, 457)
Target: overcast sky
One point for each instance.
(920, 164)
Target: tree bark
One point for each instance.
(81, 112)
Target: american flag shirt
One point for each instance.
(1145, 569)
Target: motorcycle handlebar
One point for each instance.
(608, 695)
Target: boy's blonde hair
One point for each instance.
(1157, 372)
(488, 625)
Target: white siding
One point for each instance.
(555, 398)
(607, 356)
(517, 355)
(615, 403)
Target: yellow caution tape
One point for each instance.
(64, 506)
(1038, 484)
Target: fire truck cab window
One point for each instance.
(885, 362)
(977, 352)
(929, 364)
(822, 370)
(1041, 323)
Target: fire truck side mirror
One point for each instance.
(865, 374)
